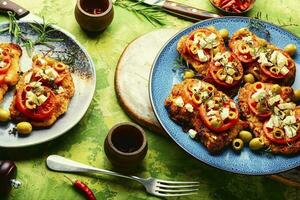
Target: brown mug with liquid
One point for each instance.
(94, 15)
(126, 145)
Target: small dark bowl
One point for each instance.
(94, 22)
(225, 12)
(126, 145)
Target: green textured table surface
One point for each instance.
(164, 159)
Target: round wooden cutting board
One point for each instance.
(132, 75)
(131, 86)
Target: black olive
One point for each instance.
(8, 171)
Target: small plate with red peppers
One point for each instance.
(233, 7)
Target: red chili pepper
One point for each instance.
(83, 188)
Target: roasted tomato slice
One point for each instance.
(216, 71)
(276, 75)
(223, 125)
(253, 107)
(5, 62)
(279, 138)
(40, 113)
(192, 47)
(243, 49)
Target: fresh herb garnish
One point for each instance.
(43, 30)
(152, 14)
(66, 56)
(259, 28)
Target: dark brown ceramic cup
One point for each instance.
(126, 145)
(94, 22)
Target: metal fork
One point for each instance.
(154, 186)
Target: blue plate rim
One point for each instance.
(237, 171)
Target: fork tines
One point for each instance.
(175, 188)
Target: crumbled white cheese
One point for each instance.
(274, 99)
(196, 40)
(41, 99)
(2, 64)
(1, 50)
(41, 61)
(189, 107)
(259, 95)
(210, 104)
(289, 120)
(211, 37)
(290, 131)
(60, 90)
(276, 120)
(269, 123)
(179, 102)
(263, 60)
(229, 80)
(211, 113)
(224, 113)
(51, 73)
(230, 71)
(36, 84)
(273, 57)
(247, 38)
(232, 105)
(218, 56)
(204, 95)
(31, 97)
(281, 60)
(27, 77)
(287, 106)
(192, 133)
(202, 42)
(284, 70)
(196, 87)
(202, 56)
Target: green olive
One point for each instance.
(249, 78)
(276, 88)
(188, 74)
(4, 115)
(237, 144)
(263, 42)
(215, 51)
(224, 33)
(297, 95)
(278, 133)
(290, 49)
(216, 122)
(246, 136)
(256, 144)
(24, 128)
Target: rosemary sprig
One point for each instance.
(257, 27)
(151, 14)
(43, 30)
(280, 22)
(66, 56)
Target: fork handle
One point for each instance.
(62, 164)
(189, 12)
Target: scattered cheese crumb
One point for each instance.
(192, 133)
(189, 107)
(179, 102)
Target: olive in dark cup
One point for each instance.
(94, 15)
(126, 146)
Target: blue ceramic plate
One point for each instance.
(163, 77)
